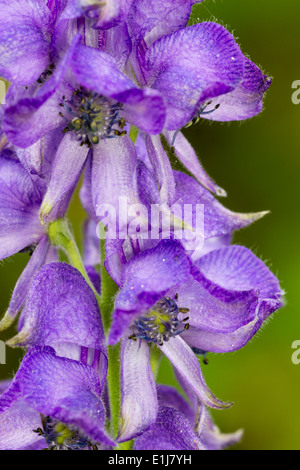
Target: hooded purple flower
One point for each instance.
(224, 296)
(192, 66)
(209, 224)
(63, 375)
(87, 114)
(61, 311)
(53, 402)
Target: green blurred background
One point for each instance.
(258, 163)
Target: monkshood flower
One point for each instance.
(211, 230)
(225, 296)
(87, 118)
(192, 66)
(61, 311)
(181, 427)
(65, 366)
(53, 402)
(87, 103)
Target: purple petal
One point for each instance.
(38, 158)
(144, 109)
(85, 192)
(147, 278)
(24, 40)
(151, 20)
(139, 399)
(91, 255)
(32, 118)
(36, 262)
(191, 66)
(245, 101)
(16, 427)
(113, 172)
(113, 13)
(66, 390)
(104, 16)
(239, 294)
(237, 268)
(19, 205)
(115, 258)
(185, 361)
(118, 44)
(210, 435)
(171, 431)
(162, 168)
(168, 396)
(218, 221)
(66, 169)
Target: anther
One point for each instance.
(132, 337)
(201, 111)
(183, 310)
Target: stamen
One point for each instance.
(91, 117)
(203, 353)
(201, 111)
(29, 249)
(160, 323)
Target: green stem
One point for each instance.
(61, 236)
(108, 292)
(155, 357)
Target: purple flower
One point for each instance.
(87, 117)
(194, 68)
(212, 229)
(90, 105)
(61, 311)
(181, 427)
(226, 295)
(63, 374)
(52, 402)
(31, 32)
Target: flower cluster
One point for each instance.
(103, 88)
